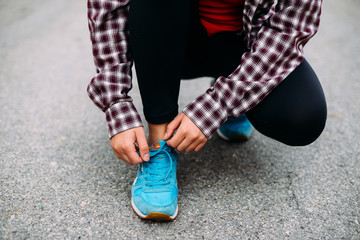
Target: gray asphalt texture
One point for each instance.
(60, 180)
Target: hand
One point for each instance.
(188, 136)
(124, 148)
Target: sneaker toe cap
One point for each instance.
(164, 202)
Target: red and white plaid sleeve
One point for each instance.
(110, 86)
(276, 49)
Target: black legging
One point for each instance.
(168, 43)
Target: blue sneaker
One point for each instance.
(236, 129)
(154, 191)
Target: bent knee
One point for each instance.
(293, 129)
(304, 130)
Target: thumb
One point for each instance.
(174, 124)
(142, 143)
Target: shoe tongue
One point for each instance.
(155, 146)
(158, 145)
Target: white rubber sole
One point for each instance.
(222, 135)
(156, 216)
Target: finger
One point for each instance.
(174, 124)
(143, 145)
(134, 158)
(122, 156)
(117, 154)
(131, 154)
(184, 144)
(176, 139)
(199, 146)
(192, 146)
(126, 159)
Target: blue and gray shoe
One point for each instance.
(236, 129)
(154, 192)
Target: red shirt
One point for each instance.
(221, 15)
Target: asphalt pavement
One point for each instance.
(60, 180)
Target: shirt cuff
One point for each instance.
(122, 116)
(206, 114)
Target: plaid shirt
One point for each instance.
(275, 35)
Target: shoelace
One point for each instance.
(156, 168)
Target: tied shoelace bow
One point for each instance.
(157, 168)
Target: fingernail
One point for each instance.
(146, 157)
(166, 135)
